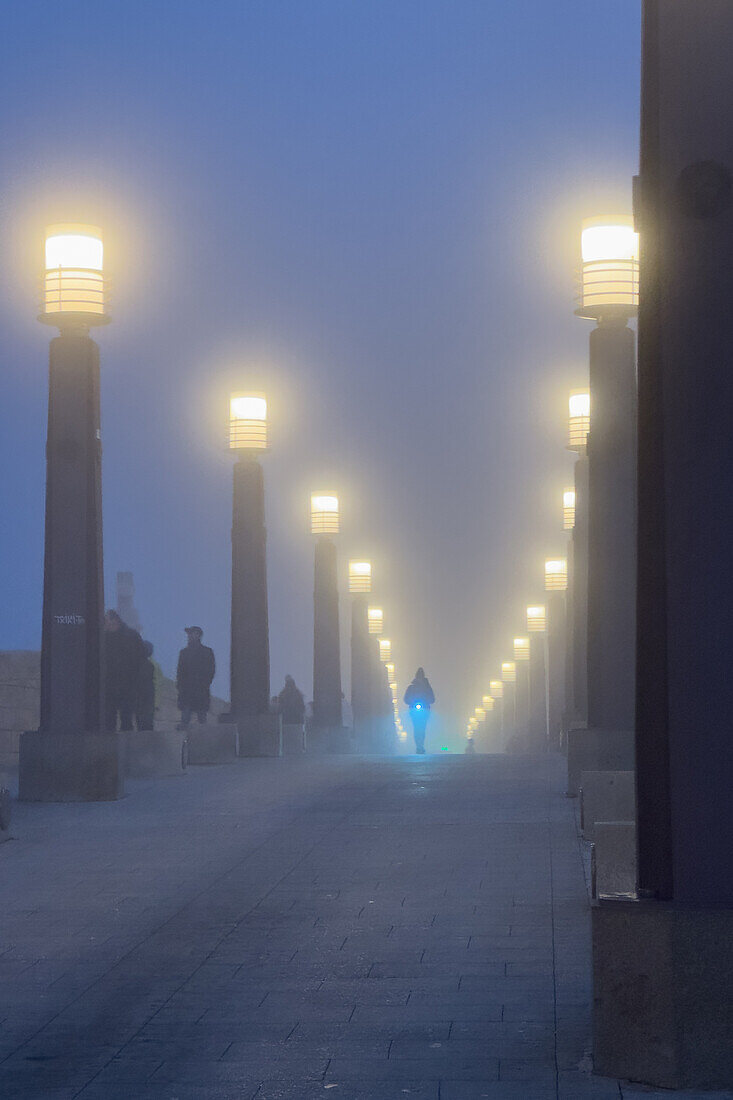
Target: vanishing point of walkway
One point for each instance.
(355, 928)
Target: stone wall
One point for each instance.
(20, 686)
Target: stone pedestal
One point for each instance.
(606, 796)
(614, 856)
(662, 1005)
(70, 767)
(212, 744)
(154, 754)
(596, 750)
(329, 739)
(260, 735)
(293, 740)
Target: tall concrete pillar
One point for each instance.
(327, 710)
(663, 966)
(522, 705)
(69, 758)
(612, 528)
(360, 664)
(537, 692)
(250, 643)
(578, 706)
(556, 654)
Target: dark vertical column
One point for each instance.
(73, 593)
(568, 716)
(508, 716)
(580, 557)
(684, 685)
(537, 694)
(556, 650)
(612, 529)
(522, 704)
(250, 651)
(360, 660)
(326, 643)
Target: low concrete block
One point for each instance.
(662, 1006)
(214, 744)
(595, 750)
(154, 754)
(329, 739)
(293, 740)
(615, 858)
(70, 767)
(260, 735)
(606, 796)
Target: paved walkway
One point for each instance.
(355, 928)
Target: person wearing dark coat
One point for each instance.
(145, 708)
(419, 697)
(123, 656)
(291, 704)
(196, 669)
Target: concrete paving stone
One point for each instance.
(351, 1090)
(500, 1048)
(493, 1090)
(425, 1014)
(415, 1069)
(290, 1066)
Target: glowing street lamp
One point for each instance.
(360, 576)
(487, 702)
(389, 667)
(578, 420)
(556, 574)
(509, 672)
(479, 714)
(521, 649)
(375, 619)
(324, 513)
(327, 712)
(536, 618)
(496, 687)
(73, 300)
(568, 508)
(385, 650)
(250, 636)
(610, 267)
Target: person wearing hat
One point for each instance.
(196, 668)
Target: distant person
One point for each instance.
(196, 669)
(419, 697)
(291, 703)
(146, 685)
(123, 656)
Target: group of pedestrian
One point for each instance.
(132, 679)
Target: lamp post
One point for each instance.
(674, 942)
(609, 296)
(556, 583)
(538, 686)
(509, 706)
(69, 759)
(496, 690)
(521, 659)
(360, 585)
(575, 508)
(250, 641)
(327, 712)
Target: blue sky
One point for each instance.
(370, 210)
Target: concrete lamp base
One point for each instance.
(154, 754)
(662, 976)
(293, 740)
(213, 744)
(70, 767)
(606, 796)
(601, 750)
(260, 735)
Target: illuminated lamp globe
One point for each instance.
(324, 514)
(609, 277)
(578, 420)
(385, 649)
(487, 702)
(247, 422)
(73, 283)
(496, 687)
(479, 713)
(389, 665)
(536, 618)
(568, 509)
(521, 649)
(375, 620)
(556, 575)
(360, 576)
(509, 672)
